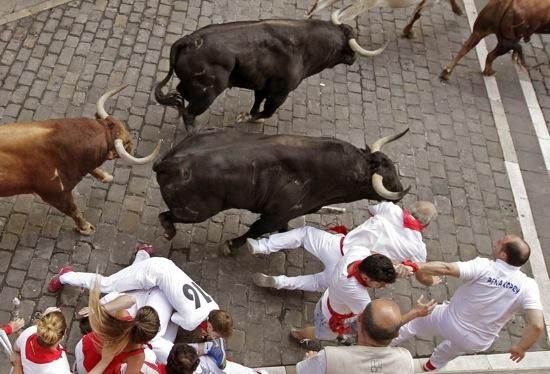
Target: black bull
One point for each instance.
(278, 176)
(270, 57)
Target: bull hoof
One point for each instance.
(169, 235)
(488, 72)
(87, 230)
(408, 34)
(444, 76)
(228, 249)
(108, 178)
(243, 117)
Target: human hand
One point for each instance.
(310, 354)
(84, 312)
(16, 324)
(403, 271)
(516, 353)
(422, 309)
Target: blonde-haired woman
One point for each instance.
(38, 350)
(117, 340)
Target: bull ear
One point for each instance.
(347, 30)
(374, 161)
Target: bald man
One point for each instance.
(493, 291)
(377, 326)
(391, 231)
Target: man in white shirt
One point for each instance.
(377, 325)
(391, 231)
(493, 292)
(347, 295)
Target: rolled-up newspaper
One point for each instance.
(16, 308)
(5, 343)
(332, 209)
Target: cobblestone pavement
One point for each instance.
(58, 62)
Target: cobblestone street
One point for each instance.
(57, 63)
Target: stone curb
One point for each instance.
(44, 5)
(534, 362)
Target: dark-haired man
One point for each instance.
(377, 326)
(346, 296)
(478, 310)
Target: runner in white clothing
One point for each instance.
(478, 310)
(192, 304)
(38, 350)
(347, 295)
(391, 231)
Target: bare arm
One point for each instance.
(439, 268)
(531, 333)
(121, 302)
(16, 362)
(427, 280)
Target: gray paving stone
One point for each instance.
(59, 62)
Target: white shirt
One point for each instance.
(493, 292)
(346, 295)
(384, 233)
(58, 366)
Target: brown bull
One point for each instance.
(50, 157)
(511, 21)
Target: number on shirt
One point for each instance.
(191, 291)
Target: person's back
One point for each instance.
(386, 234)
(362, 359)
(493, 292)
(39, 348)
(377, 325)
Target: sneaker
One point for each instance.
(55, 283)
(308, 344)
(428, 366)
(217, 352)
(262, 280)
(253, 246)
(147, 248)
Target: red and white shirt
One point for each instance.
(345, 294)
(37, 359)
(385, 233)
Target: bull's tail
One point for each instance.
(172, 98)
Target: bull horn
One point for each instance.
(365, 52)
(100, 105)
(377, 146)
(134, 160)
(335, 18)
(383, 191)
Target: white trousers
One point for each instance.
(439, 323)
(321, 244)
(191, 302)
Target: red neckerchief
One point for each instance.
(410, 222)
(38, 354)
(354, 272)
(204, 325)
(339, 229)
